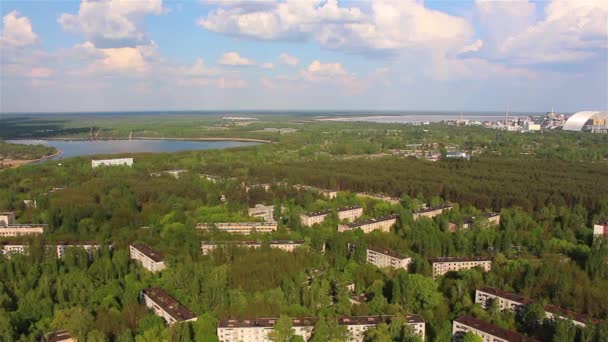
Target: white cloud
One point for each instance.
(17, 31)
(235, 59)
(569, 31)
(111, 23)
(288, 59)
(40, 72)
(267, 65)
(125, 59)
(197, 69)
(226, 83)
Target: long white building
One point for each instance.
(58, 248)
(444, 265)
(381, 223)
(487, 331)
(431, 212)
(258, 330)
(508, 301)
(207, 247)
(12, 230)
(242, 228)
(149, 258)
(384, 257)
(264, 212)
(165, 306)
(111, 162)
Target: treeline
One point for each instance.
(24, 152)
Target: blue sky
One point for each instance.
(111, 55)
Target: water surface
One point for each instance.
(74, 148)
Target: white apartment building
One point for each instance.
(21, 229)
(9, 249)
(111, 162)
(350, 213)
(314, 217)
(358, 325)
(174, 173)
(432, 211)
(89, 246)
(384, 257)
(381, 223)
(380, 197)
(513, 302)
(165, 306)
(150, 259)
(599, 229)
(488, 332)
(242, 228)
(265, 212)
(330, 194)
(208, 247)
(58, 336)
(444, 265)
(257, 330)
(7, 218)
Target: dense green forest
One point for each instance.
(543, 247)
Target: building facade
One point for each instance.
(350, 213)
(207, 247)
(9, 249)
(112, 162)
(21, 229)
(599, 230)
(381, 223)
(384, 257)
(258, 330)
(242, 228)
(315, 217)
(89, 246)
(265, 212)
(165, 306)
(380, 197)
(7, 218)
(149, 258)
(508, 301)
(444, 265)
(432, 211)
(330, 194)
(488, 332)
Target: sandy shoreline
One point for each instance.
(14, 163)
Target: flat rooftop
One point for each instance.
(149, 252)
(372, 220)
(169, 304)
(386, 251)
(430, 209)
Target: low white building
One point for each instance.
(444, 265)
(149, 258)
(487, 331)
(242, 228)
(431, 212)
(384, 257)
(111, 162)
(265, 212)
(12, 230)
(6, 218)
(207, 247)
(89, 246)
(600, 230)
(330, 194)
(380, 197)
(380, 223)
(165, 306)
(12, 248)
(358, 325)
(173, 173)
(349, 213)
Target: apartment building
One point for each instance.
(58, 336)
(599, 230)
(207, 247)
(350, 213)
(242, 228)
(265, 186)
(431, 212)
(89, 246)
(7, 218)
(165, 306)
(257, 330)
(513, 302)
(444, 265)
(330, 194)
(112, 162)
(380, 223)
(149, 258)
(380, 197)
(384, 257)
(173, 173)
(492, 218)
(21, 229)
(315, 217)
(11, 248)
(265, 212)
(488, 332)
(358, 325)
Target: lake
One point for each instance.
(74, 148)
